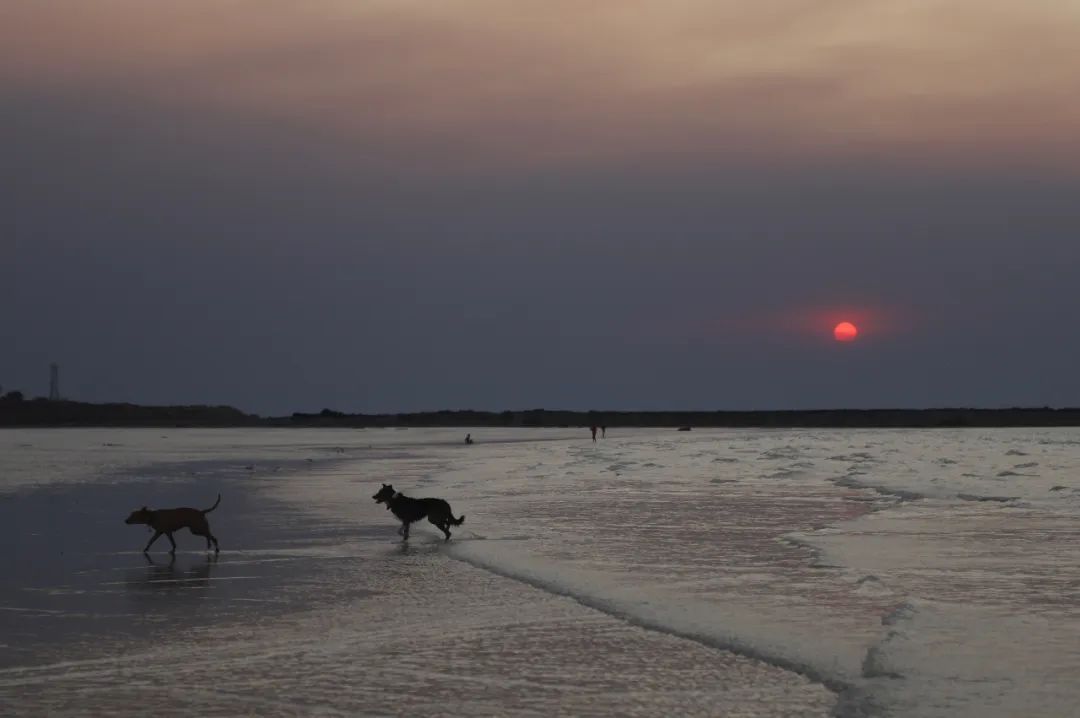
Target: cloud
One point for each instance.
(482, 84)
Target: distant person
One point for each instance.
(593, 430)
(468, 438)
(603, 432)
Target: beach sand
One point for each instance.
(303, 615)
(732, 573)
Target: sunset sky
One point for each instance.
(399, 205)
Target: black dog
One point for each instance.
(411, 510)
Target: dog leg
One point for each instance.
(405, 532)
(155, 537)
(169, 536)
(205, 533)
(442, 523)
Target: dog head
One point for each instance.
(139, 516)
(385, 494)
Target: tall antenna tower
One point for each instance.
(54, 382)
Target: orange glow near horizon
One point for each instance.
(845, 332)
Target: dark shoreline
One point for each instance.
(43, 413)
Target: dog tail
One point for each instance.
(206, 511)
(457, 522)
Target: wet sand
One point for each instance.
(301, 615)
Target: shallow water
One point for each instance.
(706, 573)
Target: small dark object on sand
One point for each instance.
(684, 428)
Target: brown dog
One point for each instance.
(166, 521)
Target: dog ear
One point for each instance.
(144, 509)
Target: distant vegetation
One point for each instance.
(839, 418)
(15, 410)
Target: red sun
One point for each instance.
(845, 332)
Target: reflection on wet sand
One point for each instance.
(170, 576)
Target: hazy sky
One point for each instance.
(404, 204)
